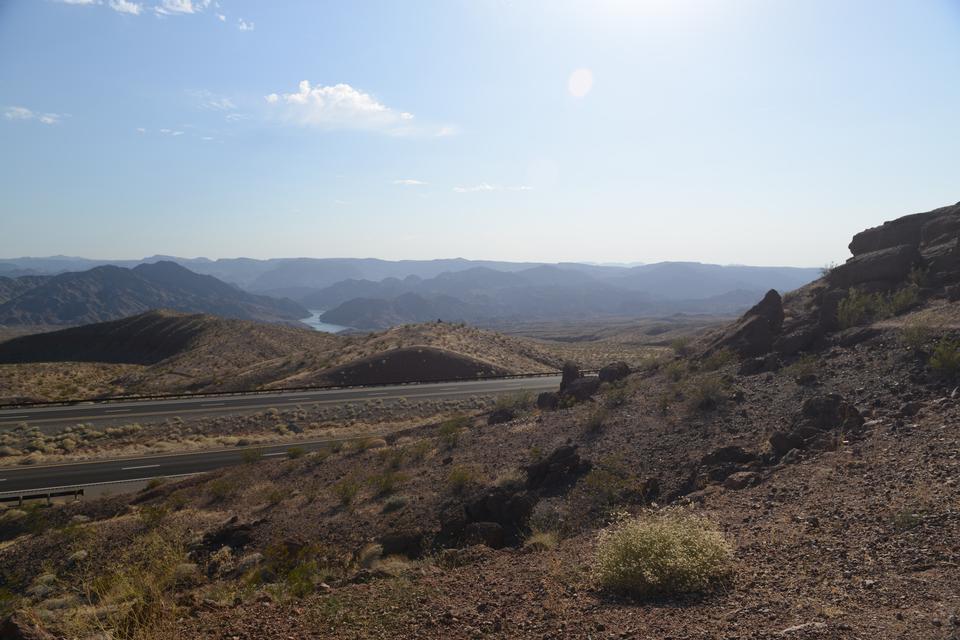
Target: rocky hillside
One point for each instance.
(108, 292)
(825, 470)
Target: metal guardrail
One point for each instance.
(40, 495)
(220, 394)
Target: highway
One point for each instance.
(23, 479)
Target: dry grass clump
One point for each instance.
(945, 359)
(661, 554)
(541, 541)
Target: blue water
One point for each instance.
(315, 322)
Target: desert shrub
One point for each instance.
(616, 396)
(134, 596)
(153, 515)
(450, 429)
(386, 483)
(392, 458)
(460, 478)
(661, 555)
(858, 307)
(608, 483)
(945, 359)
(417, 452)
(675, 370)
(394, 503)
(899, 301)
(918, 277)
(250, 456)
(806, 365)
(221, 489)
(296, 452)
(681, 346)
(718, 359)
(367, 443)
(541, 541)
(346, 490)
(596, 420)
(517, 401)
(916, 335)
(9, 601)
(154, 483)
(706, 392)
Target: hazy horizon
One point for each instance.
(749, 133)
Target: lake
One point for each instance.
(318, 324)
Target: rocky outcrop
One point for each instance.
(614, 371)
(754, 334)
(884, 265)
(570, 373)
(822, 421)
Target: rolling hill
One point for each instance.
(109, 292)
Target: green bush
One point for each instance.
(596, 420)
(517, 401)
(251, 456)
(860, 307)
(460, 478)
(346, 490)
(450, 430)
(541, 541)
(706, 393)
(945, 359)
(296, 452)
(681, 346)
(718, 359)
(675, 371)
(661, 555)
(916, 335)
(386, 483)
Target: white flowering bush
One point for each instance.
(659, 554)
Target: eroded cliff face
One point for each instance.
(920, 251)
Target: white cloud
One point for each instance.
(124, 6)
(22, 113)
(18, 113)
(484, 186)
(243, 25)
(446, 130)
(213, 102)
(236, 117)
(339, 106)
(181, 7)
(171, 132)
(141, 130)
(206, 138)
(221, 17)
(79, 2)
(409, 182)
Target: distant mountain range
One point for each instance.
(375, 294)
(110, 292)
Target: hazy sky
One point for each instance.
(737, 131)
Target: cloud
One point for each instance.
(171, 132)
(124, 6)
(141, 130)
(221, 17)
(339, 106)
(243, 25)
(236, 117)
(80, 2)
(212, 102)
(409, 182)
(181, 7)
(22, 113)
(483, 186)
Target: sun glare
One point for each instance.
(580, 83)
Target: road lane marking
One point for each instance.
(214, 404)
(278, 453)
(117, 410)
(143, 466)
(13, 417)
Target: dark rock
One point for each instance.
(614, 372)
(548, 401)
(509, 507)
(755, 332)
(782, 442)
(751, 366)
(953, 292)
(14, 627)
(447, 460)
(499, 416)
(732, 454)
(742, 480)
(557, 469)
(909, 409)
(831, 412)
(902, 231)
(806, 380)
(233, 533)
(892, 264)
(486, 533)
(797, 341)
(582, 389)
(408, 543)
(570, 373)
(855, 336)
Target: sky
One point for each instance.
(761, 132)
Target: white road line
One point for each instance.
(380, 393)
(214, 404)
(117, 410)
(13, 417)
(278, 453)
(144, 466)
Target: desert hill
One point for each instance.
(109, 292)
(167, 352)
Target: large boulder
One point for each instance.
(559, 468)
(582, 389)
(892, 264)
(755, 332)
(548, 401)
(614, 372)
(902, 231)
(570, 373)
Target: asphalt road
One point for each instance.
(23, 479)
